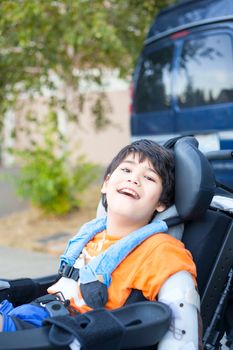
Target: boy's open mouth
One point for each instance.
(129, 192)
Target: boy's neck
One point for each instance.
(121, 227)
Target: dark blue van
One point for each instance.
(183, 82)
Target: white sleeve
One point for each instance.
(180, 294)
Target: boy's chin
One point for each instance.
(129, 217)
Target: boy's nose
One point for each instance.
(135, 181)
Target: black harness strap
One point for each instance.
(134, 297)
(95, 294)
(175, 220)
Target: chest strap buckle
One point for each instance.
(53, 304)
(69, 272)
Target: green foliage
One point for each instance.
(48, 180)
(49, 185)
(40, 40)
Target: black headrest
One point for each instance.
(194, 179)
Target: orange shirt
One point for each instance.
(146, 268)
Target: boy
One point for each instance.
(138, 183)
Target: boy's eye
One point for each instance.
(150, 178)
(126, 170)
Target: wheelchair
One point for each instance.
(203, 220)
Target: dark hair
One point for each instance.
(160, 157)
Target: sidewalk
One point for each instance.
(18, 263)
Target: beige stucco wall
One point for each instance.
(101, 146)
(98, 146)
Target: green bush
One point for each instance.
(47, 182)
(47, 179)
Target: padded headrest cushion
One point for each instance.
(194, 179)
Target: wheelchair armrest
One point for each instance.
(24, 290)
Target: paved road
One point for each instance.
(17, 263)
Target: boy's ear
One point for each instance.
(160, 207)
(105, 184)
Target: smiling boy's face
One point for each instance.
(133, 190)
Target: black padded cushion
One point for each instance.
(204, 238)
(194, 180)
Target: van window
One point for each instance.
(205, 74)
(153, 92)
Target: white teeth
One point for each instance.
(130, 192)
